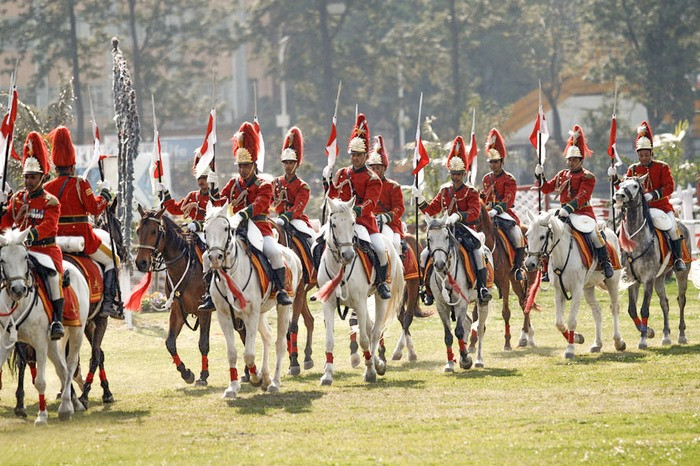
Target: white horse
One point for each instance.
(453, 293)
(549, 237)
(23, 319)
(236, 290)
(342, 281)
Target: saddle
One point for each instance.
(665, 247)
(91, 272)
(71, 313)
(263, 268)
(587, 250)
(300, 245)
(410, 262)
(469, 267)
(502, 225)
(365, 252)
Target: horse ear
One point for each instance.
(23, 236)
(140, 209)
(351, 202)
(528, 214)
(545, 218)
(643, 178)
(160, 213)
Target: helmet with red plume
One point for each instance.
(457, 158)
(576, 145)
(246, 144)
(35, 157)
(359, 139)
(293, 147)
(645, 140)
(62, 150)
(378, 155)
(495, 146)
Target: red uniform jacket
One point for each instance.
(659, 183)
(77, 202)
(574, 189)
(292, 196)
(192, 206)
(463, 200)
(38, 211)
(391, 203)
(366, 186)
(498, 192)
(252, 197)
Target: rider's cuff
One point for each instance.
(569, 208)
(657, 194)
(105, 193)
(422, 205)
(166, 195)
(358, 211)
(616, 180)
(33, 235)
(499, 208)
(214, 192)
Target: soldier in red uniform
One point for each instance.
(194, 208)
(362, 183)
(291, 193)
(34, 208)
(657, 186)
(390, 206)
(498, 189)
(250, 198)
(461, 202)
(574, 186)
(77, 202)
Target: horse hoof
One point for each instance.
(381, 367)
(412, 357)
(620, 345)
(245, 378)
(397, 356)
(327, 381)
(682, 340)
(449, 367)
(65, 415)
(595, 349)
(84, 401)
(21, 411)
(522, 343)
(568, 355)
(579, 339)
(479, 364)
(666, 341)
(107, 398)
(642, 344)
(354, 359)
(42, 419)
(188, 376)
(294, 370)
(256, 383)
(370, 376)
(308, 364)
(465, 363)
(201, 383)
(650, 332)
(471, 349)
(507, 348)
(58, 395)
(273, 389)
(229, 394)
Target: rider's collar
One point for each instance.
(359, 170)
(39, 192)
(579, 170)
(496, 175)
(290, 180)
(204, 193)
(251, 181)
(458, 188)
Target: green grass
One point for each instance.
(527, 406)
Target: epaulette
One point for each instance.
(305, 185)
(393, 183)
(258, 181)
(445, 185)
(588, 174)
(51, 200)
(373, 175)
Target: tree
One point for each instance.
(653, 46)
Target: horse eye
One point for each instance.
(542, 237)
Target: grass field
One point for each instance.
(527, 406)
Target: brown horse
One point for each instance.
(504, 279)
(163, 244)
(300, 306)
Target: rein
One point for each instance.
(13, 325)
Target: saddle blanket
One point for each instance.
(91, 272)
(71, 313)
(306, 262)
(508, 246)
(367, 265)
(265, 280)
(470, 269)
(410, 264)
(664, 247)
(587, 253)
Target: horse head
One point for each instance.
(629, 192)
(219, 234)
(341, 229)
(15, 275)
(439, 238)
(150, 233)
(539, 235)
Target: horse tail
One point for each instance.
(324, 293)
(397, 293)
(234, 289)
(532, 294)
(134, 301)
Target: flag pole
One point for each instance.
(472, 166)
(335, 115)
(415, 183)
(10, 136)
(539, 147)
(612, 164)
(156, 135)
(212, 164)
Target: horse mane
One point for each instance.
(12, 236)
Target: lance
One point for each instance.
(415, 182)
(612, 163)
(212, 164)
(335, 115)
(159, 163)
(10, 136)
(539, 148)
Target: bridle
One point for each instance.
(12, 325)
(27, 279)
(334, 245)
(156, 249)
(227, 245)
(543, 253)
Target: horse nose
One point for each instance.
(440, 265)
(348, 255)
(530, 265)
(215, 258)
(141, 265)
(18, 289)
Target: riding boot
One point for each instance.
(380, 282)
(111, 307)
(426, 294)
(678, 263)
(207, 304)
(57, 330)
(483, 292)
(278, 279)
(545, 273)
(604, 261)
(518, 264)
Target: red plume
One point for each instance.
(62, 150)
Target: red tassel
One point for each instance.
(455, 286)
(234, 289)
(626, 243)
(325, 292)
(134, 301)
(532, 294)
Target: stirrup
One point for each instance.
(427, 298)
(679, 265)
(608, 270)
(519, 274)
(545, 277)
(207, 304)
(112, 311)
(57, 331)
(383, 290)
(283, 298)
(484, 295)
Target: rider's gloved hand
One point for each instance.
(648, 197)
(418, 194)
(539, 169)
(612, 172)
(493, 213)
(327, 172)
(193, 226)
(562, 213)
(452, 219)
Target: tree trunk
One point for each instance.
(77, 88)
(136, 58)
(454, 56)
(555, 129)
(327, 52)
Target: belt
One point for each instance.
(259, 218)
(45, 242)
(73, 219)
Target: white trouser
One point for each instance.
(54, 281)
(673, 232)
(378, 245)
(478, 258)
(272, 251)
(516, 236)
(596, 238)
(103, 256)
(397, 243)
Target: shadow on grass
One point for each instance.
(676, 350)
(544, 351)
(151, 330)
(384, 383)
(100, 412)
(399, 366)
(313, 376)
(600, 358)
(294, 401)
(484, 372)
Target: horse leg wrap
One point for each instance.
(450, 354)
(42, 403)
(329, 358)
(462, 345)
(637, 321)
(205, 364)
(32, 370)
(368, 356)
(233, 374)
(252, 369)
(353, 336)
(176, 360)
(293, 343)
(569, 335)
(507, 330)
(474, 334)
(89, 377)
(103, 375)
